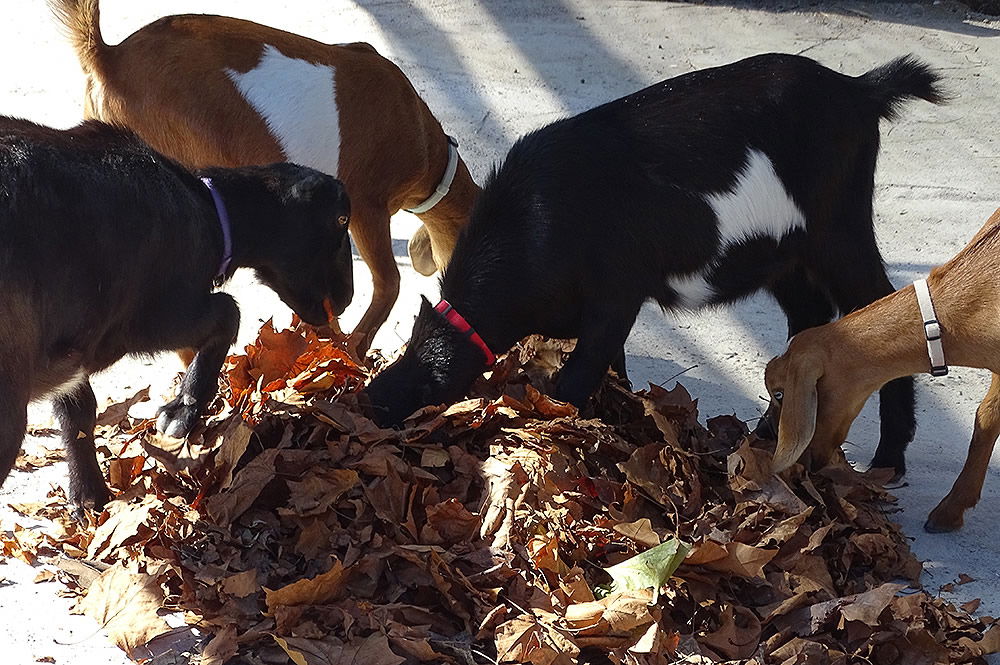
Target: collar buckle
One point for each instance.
(932, 328)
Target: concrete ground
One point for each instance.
(493, 70)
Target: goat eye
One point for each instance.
(778, 395)
(343, 221)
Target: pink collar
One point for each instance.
(457, 322)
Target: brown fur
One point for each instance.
(167, 82)
(839, 365)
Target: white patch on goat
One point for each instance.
(757, 206)
(693, 290)
(70, 384)
(298, 101)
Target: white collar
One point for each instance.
(932, 329)
(445, 185)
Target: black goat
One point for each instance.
(108, 248)
(696, 191)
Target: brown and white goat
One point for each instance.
(218, 91)
(824, 378)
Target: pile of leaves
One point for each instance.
(506, 528)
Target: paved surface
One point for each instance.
(493, 70)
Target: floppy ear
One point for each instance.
(797, 422)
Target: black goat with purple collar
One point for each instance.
(696, 191)
(108, 249)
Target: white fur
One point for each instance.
(298, 101)
(757, 206)
(70, 384)
(693, 290)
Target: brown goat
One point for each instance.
(824, 378)
(218, 91)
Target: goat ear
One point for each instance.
(316, 186)
(305, 188)
(799, 405)
(425, 304)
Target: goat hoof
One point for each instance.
(898, 466)
(944, 520)
(86, 497)
(176, 418)
(932, 526)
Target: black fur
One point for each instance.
(588, 218)
(107, 248)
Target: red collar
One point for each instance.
(459, 323)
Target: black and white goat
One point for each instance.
(108, 248)
(699, 190)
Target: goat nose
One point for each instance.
(765, 428)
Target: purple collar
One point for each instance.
(227, 236)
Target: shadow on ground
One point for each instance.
(948, 15)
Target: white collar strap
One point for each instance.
(445, 185)
(932, 329)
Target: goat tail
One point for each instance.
(903, 78)
(81, 20)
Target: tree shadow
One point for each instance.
(950, 16)
(467, 108)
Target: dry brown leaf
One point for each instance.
(220, 648)
(126, 523)
(417, 571)
(640, 531)
(989, 644)
(230, 443)
(320, 489)
(733, 558)
(116, 413)
(972, 605)
(373, 650)
(452, 522)
(867, 607)
(241, 585)
(126, 604)
(313, 591)
(246, 487)
(527, 640)
(738, 635)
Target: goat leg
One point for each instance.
(964, 494)
(618, 365)
(374, 243)
(178, 417)
(897, 425)
(13, 416)
(76, 410)
(601, 343)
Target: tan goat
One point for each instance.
(824, 378)
(217, 91)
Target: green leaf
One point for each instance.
(652, 568)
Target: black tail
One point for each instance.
(903, 78)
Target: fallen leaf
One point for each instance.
(126, 604)
(651, 569)
(313, 591)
